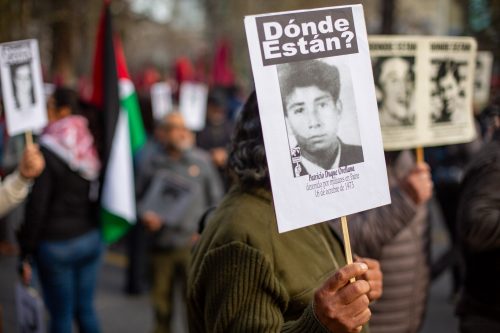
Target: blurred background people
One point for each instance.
(60, 233)
(395, 83)
(188, 185)
(216, 135)
(398, 236)
(478, 230)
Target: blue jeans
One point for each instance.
(68, 275)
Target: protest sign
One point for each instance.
(22, 86)
(193, 104)
(482, 81)
(318, 111)
(161, 100)
(424, 89)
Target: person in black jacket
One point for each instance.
(478, 222)
(60, 233)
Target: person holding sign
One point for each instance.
(60, 232)
(175, 184)
(397, 235)
(246, 277)
(310, 92)
(15, 187)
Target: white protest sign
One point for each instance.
(424, 89)
(482, 81)
(193, 104)
(318, 112)
(22, 86)
(161, 99)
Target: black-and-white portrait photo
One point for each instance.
(448, 96)
(395, 86)
(311, 93)
(22, 85)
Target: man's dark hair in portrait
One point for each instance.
(310, 91)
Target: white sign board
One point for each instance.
(161, 100)
(482, 82)
(22, 86)
(193, 104)
(318, 112)
(424, 89)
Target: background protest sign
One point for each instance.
(22, 86)
(161, 100)
(193, 104)
(318, 111)
(424, 89)
(482, 82)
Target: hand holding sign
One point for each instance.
(342, 306)
(32, 162)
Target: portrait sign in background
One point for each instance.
(319, 115)
(424, 89)
(22, 86)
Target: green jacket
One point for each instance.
(246, 277)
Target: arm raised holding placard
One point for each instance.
(14, 188)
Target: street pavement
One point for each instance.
(119, 312)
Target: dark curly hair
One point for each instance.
(308, 73)
(247, 158)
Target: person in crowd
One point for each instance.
(216, 135)
(175, 184)
(478, 230)
(313, 109)
(60, 233)
(398, 236)
(395, 82)
(15, 187)
(246, 277)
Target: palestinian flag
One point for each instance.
(122, 131)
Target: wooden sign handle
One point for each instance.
(29, 138)
(420, 154)
(347, 242)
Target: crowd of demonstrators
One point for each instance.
(187, 183)
(60, 232)
(398, 236)
(478, 233)
(245, 276)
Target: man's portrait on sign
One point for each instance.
(22, 85)
(313, 104)
(448, 96)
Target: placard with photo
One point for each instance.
(319, 115)
(22, 86)
(424, 89)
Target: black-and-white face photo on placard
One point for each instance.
(395, 84)
(22, 85)
(448, 93)
(320, 116)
